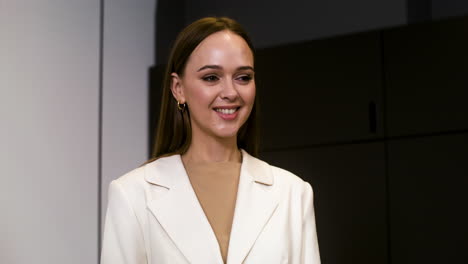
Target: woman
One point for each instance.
(205, 198)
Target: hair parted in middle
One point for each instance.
(174, 132)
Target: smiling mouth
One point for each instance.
(227, 111)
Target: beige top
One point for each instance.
(215, 184)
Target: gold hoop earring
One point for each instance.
(181, 107)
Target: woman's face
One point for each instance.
(217, 85)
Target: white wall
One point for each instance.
(49, 57)
(49, 118)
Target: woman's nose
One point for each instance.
(229, 91)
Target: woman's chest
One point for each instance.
(277, 242)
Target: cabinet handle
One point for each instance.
(372, 117)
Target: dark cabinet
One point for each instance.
(350, 198)
(404, 203)
(321, 91)
(428, 182)
(426, 69)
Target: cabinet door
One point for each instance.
(320, 91)
(428, 199)
(350, 198)
(427, 67)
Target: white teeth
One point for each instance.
(226, 111)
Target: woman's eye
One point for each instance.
(245, 78)
(211, 78)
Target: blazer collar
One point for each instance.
(250, 165)
(180, 214)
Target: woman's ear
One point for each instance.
(176, 88)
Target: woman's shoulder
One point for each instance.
(285, 177)
(132, 177)
(282, 177)
(141, 176)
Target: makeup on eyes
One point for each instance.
(213, 77)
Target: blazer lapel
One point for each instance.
(180, 214)
(255, 204)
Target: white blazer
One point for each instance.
(154, 217)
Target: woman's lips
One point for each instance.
(227, 113)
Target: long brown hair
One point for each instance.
(174, 132)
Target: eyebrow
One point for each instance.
(217, 67)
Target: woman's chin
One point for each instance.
(226, 133)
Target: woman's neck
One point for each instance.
(224, 150)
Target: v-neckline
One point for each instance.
(200, 204)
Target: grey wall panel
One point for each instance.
(128, 56)
(428, 182)
(320, 91)
(350, 198)
(49, 75)
(426, 69)
(279, 22)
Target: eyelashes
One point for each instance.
(210, 78)
(242, 78)
(245, 78)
